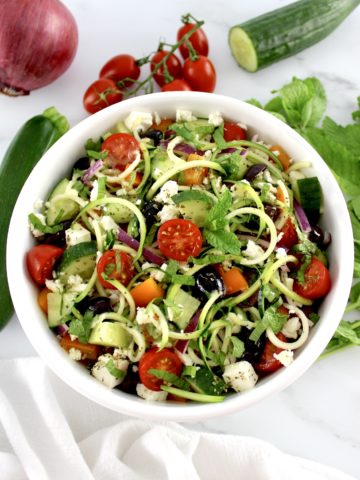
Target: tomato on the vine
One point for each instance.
(233, 132)
(121, 148)
(317, 281)
(101, 94)
(165, 360)
(120, 67)
(40, 261)
(176, 86)
(198, 40)
(179, 239)
(200, 74)
(173, 65)
(116, 266)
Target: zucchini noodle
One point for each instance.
(289, 293)
(123, 290)
(300, 341)
(273, 233)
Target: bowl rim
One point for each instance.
(73, 374)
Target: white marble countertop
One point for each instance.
(318, 417)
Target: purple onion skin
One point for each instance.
(181, 345)
(38, 42)
(254, 171)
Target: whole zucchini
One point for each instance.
(33, 139)
(285, 31)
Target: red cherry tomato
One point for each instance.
(289, 237)
(101, 94)
(120, 67)
(317, 282)
(165, 360)
(179, 239)
(233, 132)
(175, 86)
(40, 262)
(268, 363)
(173, 65)
(122, 149)
(200, 74)
(117, 266)
(198, 40)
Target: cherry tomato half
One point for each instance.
(40, 261)
(317, 282)
(289, 236)
(173, 65)
(233, 131)
(165, 360)
(117, 266)
(101, 94)
(122, 149)
(200, 74)
(179, 239)
(120, 67)
(176, 86)
(198, 40)
(268, 363)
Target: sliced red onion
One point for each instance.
(302, 218)
(230, 150)
(243, 152)
(186, 148)
(254, 171)
(91, 171)
(263, 243)
(147, 253)
(181, 345)
(62, 329)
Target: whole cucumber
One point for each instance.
(278, 34)
(33, 139)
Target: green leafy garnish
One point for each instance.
(272, 318)
(170, 378)
(38, 225)
(189, 195)
(81, 327)
(215, 229)
(115, 372)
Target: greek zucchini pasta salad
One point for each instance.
(182, 258)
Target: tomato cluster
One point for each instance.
(119, 76)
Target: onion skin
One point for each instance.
(38, 42)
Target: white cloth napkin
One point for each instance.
(49, 432)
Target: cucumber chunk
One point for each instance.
(78, 259)
(59, 305)
(109, 334)
(188, 306)
(60, 209)
(119, 213)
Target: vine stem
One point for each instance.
(149, 78)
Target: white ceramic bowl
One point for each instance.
(57, 163)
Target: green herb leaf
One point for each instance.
(238, 346)
(82, 327)
(206, 382)
(96, 155)
(93, 145)
(38, 225)
(115, 372)
(170, 378)
(271, 318)
(223, 240)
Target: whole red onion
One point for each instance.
(38, 41)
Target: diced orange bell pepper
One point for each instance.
(42, 299)
(233, 279)
(283, 157)
(88, 350)
(146, 291)
(194, 176)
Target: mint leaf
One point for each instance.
(170, 378)
(81, 328)
(271, 318)
(238, 346)
(345, 330)
(115, 372)
(256, 103)
(223, 240)
(348, 136)
(207, 383)
(220, 209)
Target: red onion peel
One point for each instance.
(148, 254)
(181, 345)
(38, 42)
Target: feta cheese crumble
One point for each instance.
(168, 212)
(252, 250)
(139, 121)
(215, 118)
(168, 190)
(240, 376)
(102, 373)
(286, 357)
(150, 395)
(184, 115)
